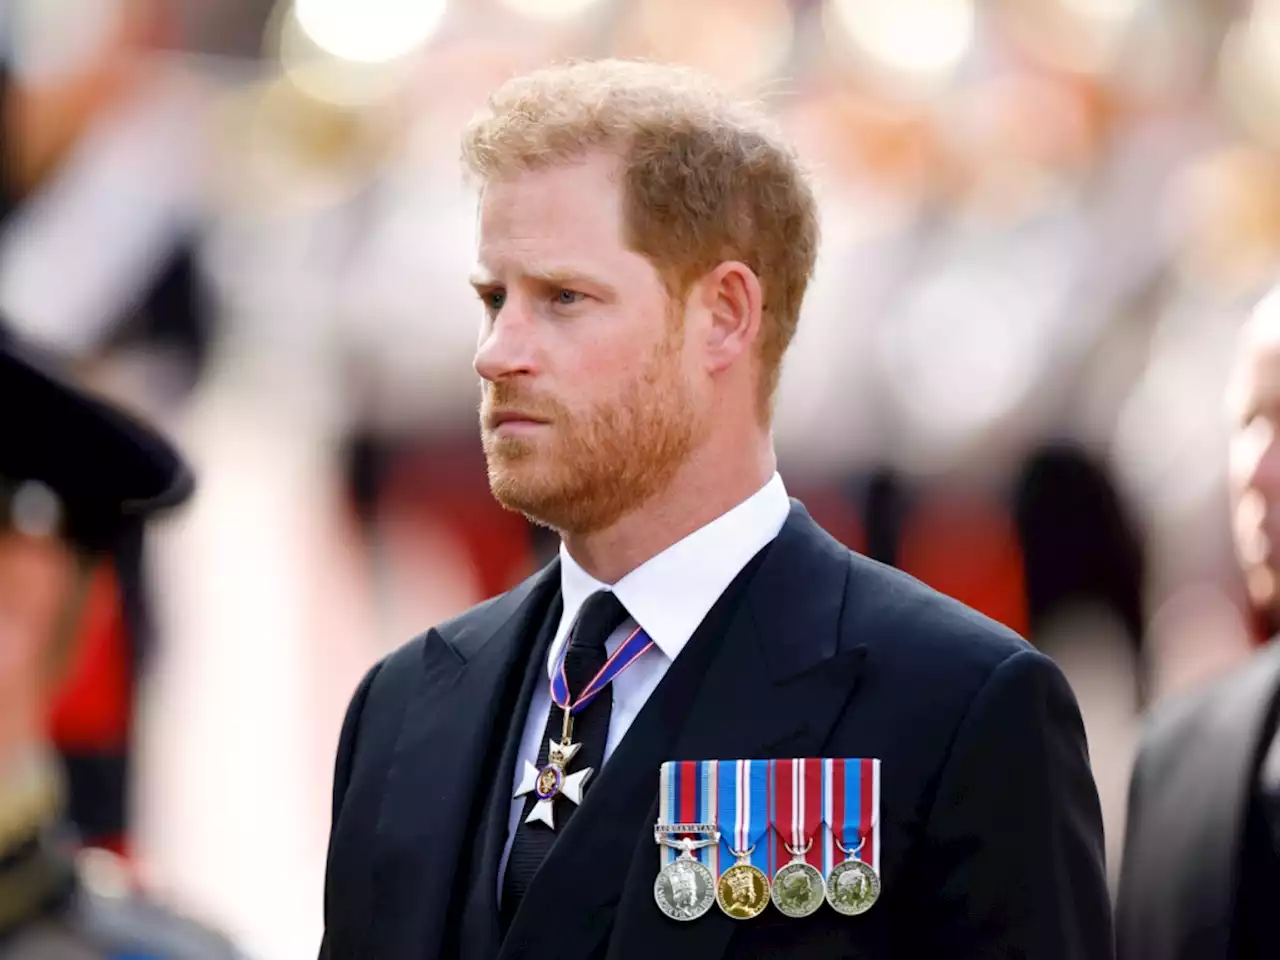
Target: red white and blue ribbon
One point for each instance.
(744, 811)
(688, 793)
(630, 650)
(851, 808)
(796, 811)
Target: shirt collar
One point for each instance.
(670, 594)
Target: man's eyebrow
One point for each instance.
(558, 275)
(547, 276)
(575, 280)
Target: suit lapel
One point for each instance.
(481, 931)
(763, 674)
(438, 765)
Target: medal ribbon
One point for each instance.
(627, 653)
(687, 793)
(851, 806)
(796, 815)
(744, 810)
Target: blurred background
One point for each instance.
(1044, 222)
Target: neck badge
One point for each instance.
(553, 779)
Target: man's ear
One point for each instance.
(732, 298)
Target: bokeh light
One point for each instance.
(1249, 74)
(372, 31)
(741, 43)
(550, 9)
(925, 39)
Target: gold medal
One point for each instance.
(743, 890)
(798, 888)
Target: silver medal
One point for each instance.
(685, 889)
(798, 889)
(853, 887)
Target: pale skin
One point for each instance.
(576, 341)
(1254, 403)
(37, 579)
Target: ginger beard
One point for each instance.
(592, 467)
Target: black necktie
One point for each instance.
(584, 657)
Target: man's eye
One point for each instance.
(568, 297)
(494, 299)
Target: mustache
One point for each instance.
(499, 399)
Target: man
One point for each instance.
(75, 475)
(644, 246)
(1201, 867)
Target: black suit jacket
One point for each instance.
(990, 827)
(1189, 800)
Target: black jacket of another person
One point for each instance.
(1200, 876)
(991, 833)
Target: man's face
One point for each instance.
(37, 577)
(1255, 461)
(589, 401)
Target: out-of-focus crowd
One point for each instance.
(1044, 222)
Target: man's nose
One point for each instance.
(1266, 467)
(507, 344)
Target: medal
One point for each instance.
(554, 780)
(853, 886)
(685, 887)
(743, 889)
(798, 887)
(851, 803)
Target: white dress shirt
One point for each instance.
(668, 596)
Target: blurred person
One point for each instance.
(98, 260)
(1201, 864)
(75, 475)
(644, 247)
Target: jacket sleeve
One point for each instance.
(341, 778)
(1014, 840)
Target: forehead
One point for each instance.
(571, 212)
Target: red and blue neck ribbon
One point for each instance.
(744, 811)
(630, 650)
(851, 805)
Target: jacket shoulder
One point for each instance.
(138, 927)
(902, 619)
(468, 630)
(1221, 711)
(110, 916)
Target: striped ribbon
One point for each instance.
(851, 808)
(688, 793)
(629, 651)
(796, 811)
(744, 811)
